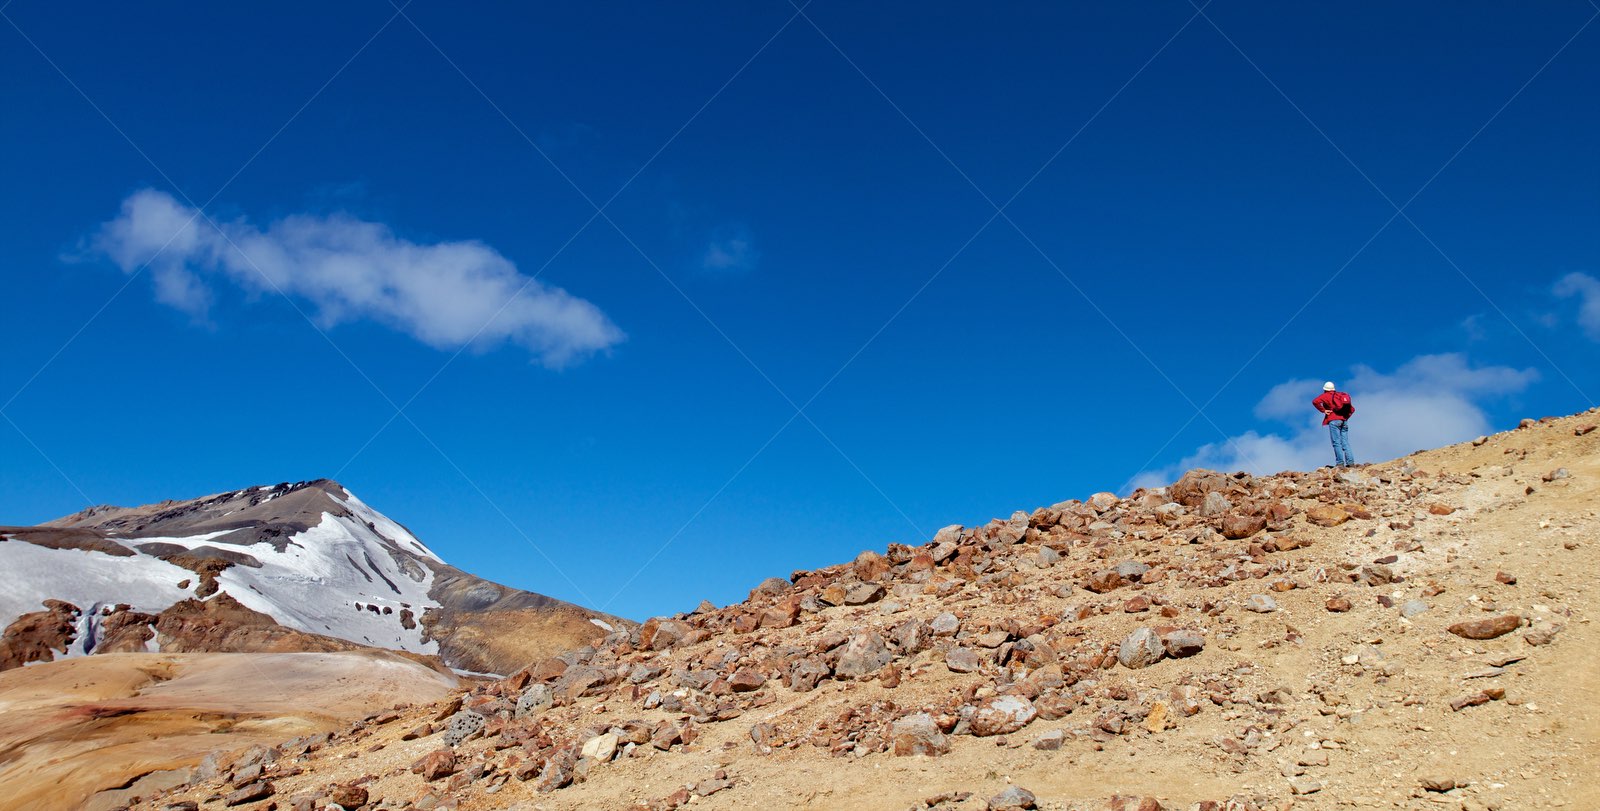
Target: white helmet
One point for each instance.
(1328, 386)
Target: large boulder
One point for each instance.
(1236, 527)
(1140, 649)
(918, 735)
(659, 633)
(1002, 715)
(864, 655)
(1192, 489)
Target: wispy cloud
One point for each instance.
(1429, 401)
(731, 249)
(445, 294)
(1586, 289)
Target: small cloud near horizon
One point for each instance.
(1429, 401)
(446, 295)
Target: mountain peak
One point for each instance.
(309, 554)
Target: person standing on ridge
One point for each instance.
(1336, 411)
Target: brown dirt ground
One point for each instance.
(72, 728)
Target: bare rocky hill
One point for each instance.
(1414, 634)
(304, 566)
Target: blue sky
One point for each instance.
(860, 272)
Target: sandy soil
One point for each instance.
(72, 728)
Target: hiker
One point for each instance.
(1336, 411)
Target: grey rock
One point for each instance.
(863, 593)
(1131, 569)
(1141, 649)
(1411, 608)
(1182, 643)
(1305, 785)
(865, 654)
(918, 735)
(1014, 798)
(461, 726)
(945, 624)
(1002, 715)
(534, 699)
(1261, 604)
(962, 660)
(1215, 504)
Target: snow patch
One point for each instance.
(388, 528)
(309, 586)
(83, 578)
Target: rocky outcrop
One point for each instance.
(40, 636)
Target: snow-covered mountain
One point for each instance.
(310, 555)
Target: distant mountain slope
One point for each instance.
(310, 555)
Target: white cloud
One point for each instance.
(1587, 290)
(730, 249)
(446, 294)
(1429, 401)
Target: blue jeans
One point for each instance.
(1339, 432)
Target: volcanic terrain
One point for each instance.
(1414, 634)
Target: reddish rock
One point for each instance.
(870, 565)
(348, 796)
(1441, 509)
(1236, 526)
(1487, 628)
(1324, 515)
(745, 680)
(1480, 697)
(1192, 489)
(36, 637)
(890, 677)
(1104, 581)
(659, 633)
(250, 793)
(437, 764)
(1338, 605)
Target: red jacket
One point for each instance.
(1324, 403)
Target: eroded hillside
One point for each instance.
(1413, 634)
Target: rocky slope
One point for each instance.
(305, 566)
(1414, 634)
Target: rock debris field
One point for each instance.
(1415, 634)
